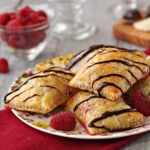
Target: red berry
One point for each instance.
(4, 65)
(4, 18)
(42, 13)
(141, 103)
(63, 121)
(147, 51)
(15, 26)
(12, 15)
(17, 41)
(42, 19)
(23, 14)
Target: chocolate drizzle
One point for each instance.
(77, 105)
(82, 54)
(116, 61)
(105, 84)
(109, 75)
(108, 114)
(58, 71)
(37, 76)
(34, 95)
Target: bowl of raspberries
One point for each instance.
(24, 32)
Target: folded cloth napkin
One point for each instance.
(15, 135)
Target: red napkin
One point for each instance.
(15, 135)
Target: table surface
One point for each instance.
(96, 12)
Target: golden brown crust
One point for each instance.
(99, 115)
(42, 92)
(110, 74)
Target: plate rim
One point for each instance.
(81, 136)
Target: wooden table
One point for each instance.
(96, 12)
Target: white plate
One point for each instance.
(42, 122)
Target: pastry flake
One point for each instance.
(111, 72)
(100, 115)
(42, 92)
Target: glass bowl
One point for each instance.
(27, 41)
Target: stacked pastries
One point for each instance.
(104, 74)
(91, 86)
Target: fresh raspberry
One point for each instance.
(147, 51)
(63, 121)
(42, 19)
(141, 103)
(42, 13)
(12, 15)
(34, 18)
(23, 14)
(4, 65)
(15, 26)
(4, 18)
(17, 41)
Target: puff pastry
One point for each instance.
(42, 92)
(100, 115)
(82, 57)
(142, 85)
(110, 73)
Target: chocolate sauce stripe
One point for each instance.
(49, 86)
(115, 61)
(34, 95)
(105, 84)
(33, 77)
(105, 52)
(110, 75)
(84, 53)
(136, 62)
(109, 114)
(15, 95)
(81, 55)
(59, 71)
(77, 105)
(133, 75)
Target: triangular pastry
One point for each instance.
(42, 92)
(100, 115)
(111, 72)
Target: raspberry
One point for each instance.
(141, 103)
(17, 41)
(4, 18)
(63, 121)
(42, 13)
(147, 51)
(42, 19)
(15, 26)
(23, 14)
(4, 65)
(12, 15)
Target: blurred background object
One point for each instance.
(69, 22)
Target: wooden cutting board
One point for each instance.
(125, 31)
